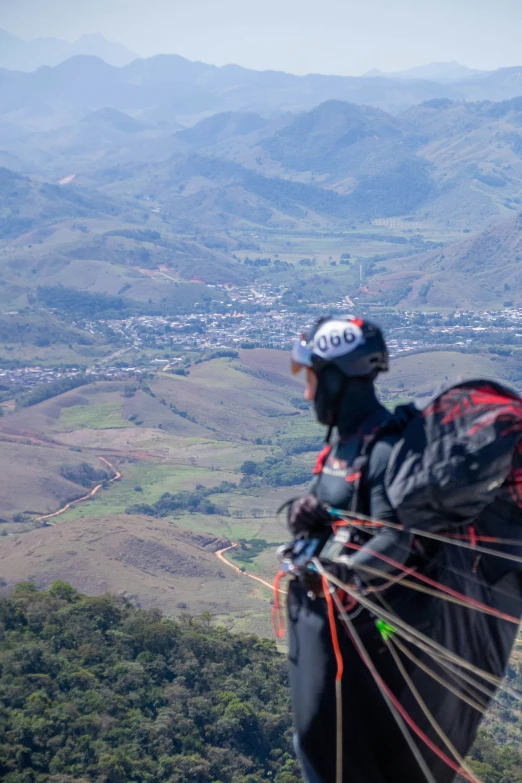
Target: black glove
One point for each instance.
(344, 573)
(307, 515)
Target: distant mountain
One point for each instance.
(221, 127)
(216, 193)
(500, 85)
(112, 118)
(435, 72)
(336, 137)
(176, 88)
(453, 163)
(19, 55)
(172, 89)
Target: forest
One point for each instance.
(94, 689)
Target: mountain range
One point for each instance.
(98, 159)
(457, 165)
(438, 72)
(174, 87)
(17, 54)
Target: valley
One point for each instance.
(168, 228)
(180, 445)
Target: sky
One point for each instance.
(299, 36)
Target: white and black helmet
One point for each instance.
(353, 345)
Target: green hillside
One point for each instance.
(25, 204)
(480, 271)
(205, 459)
(93, 689)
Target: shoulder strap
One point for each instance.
(360, 468)
(394, 424)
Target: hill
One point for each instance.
(17, 54)
(221, 127)
(179, 444)
(37, 479)
(197, 87)
(442, 162)
(215, 192)
(184, 700)
(336, 135)
(25, 204)
(174, 435)
(442, 72)
(147, 230)
(445, 163)
(444, 166)
(80, 237)
(112, 118)
(481, 271)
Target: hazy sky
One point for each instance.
(301, 36)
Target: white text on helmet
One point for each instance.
(336, 338)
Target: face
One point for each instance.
(311, 385)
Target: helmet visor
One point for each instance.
(301, 355)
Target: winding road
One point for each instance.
(220, 556)
(89, 495)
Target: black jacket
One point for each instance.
(374, 749)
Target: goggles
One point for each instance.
(301, 355)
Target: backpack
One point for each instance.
(454, 455)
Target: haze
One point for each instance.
(300, 36)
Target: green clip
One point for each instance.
(386, 631)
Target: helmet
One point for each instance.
(353, 345)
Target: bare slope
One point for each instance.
(421, 374)
(150, 561)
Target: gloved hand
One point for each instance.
(343, 571)
(307, 515)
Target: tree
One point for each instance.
(249, 468)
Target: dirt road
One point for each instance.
(219, 555)
(90, 494)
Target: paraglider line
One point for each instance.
(352, 515)
(467, 576)
(427, 670)
(422, 704)
(462, 599)
(444, 664)
(338, 682)
(396, 703)
(392, 707)
(398, 623)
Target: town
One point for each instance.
(147, 343)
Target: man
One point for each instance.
(400, 703)
(341, 359)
